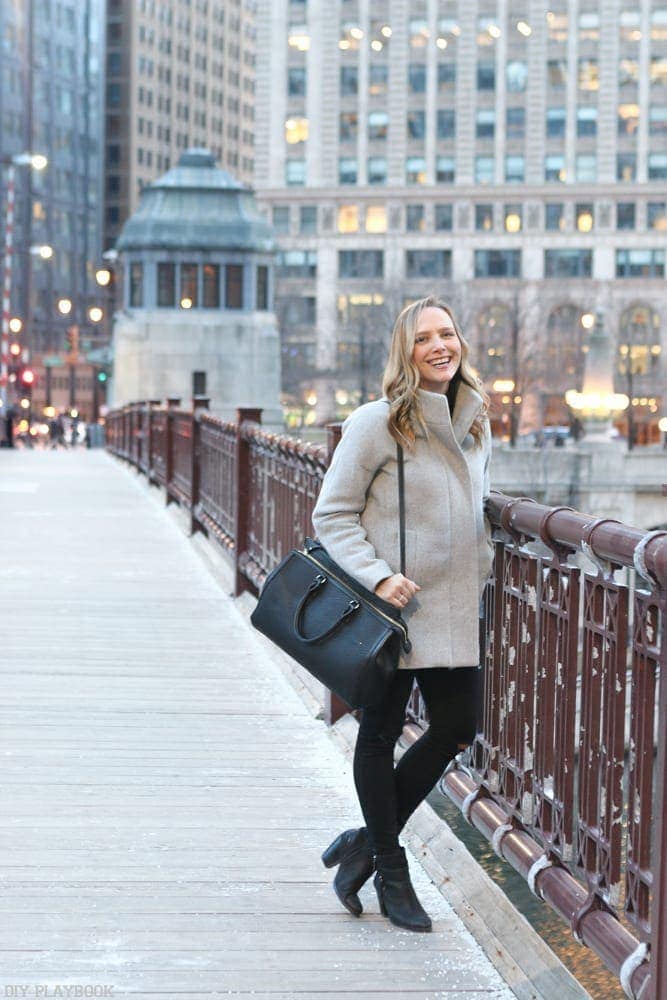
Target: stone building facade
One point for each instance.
(508, 157)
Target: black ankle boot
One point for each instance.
(350, 851)
(396, 895)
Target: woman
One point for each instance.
(435, 408)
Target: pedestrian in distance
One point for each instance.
(436, 409)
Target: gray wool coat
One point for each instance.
(447, 541)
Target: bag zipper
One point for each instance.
(388, 618)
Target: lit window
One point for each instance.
(656, 215)
(628, 119)
(513, 218)
(483, 218)
(589, 27)
(298, 37)
(589, 74)
(554, 168)
(659, 25)
(628, 72)
(626, 167)
(296, 130)
(557, 27)
(376, 219)
(350, 36)
(211, 286)
(378, 122)
(419, 33)
(658, 71)
(415, 170)
(629, 26)
(584, 217)
(348, 219)
(487, 30)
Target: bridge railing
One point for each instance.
(566, 775)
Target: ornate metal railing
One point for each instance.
(566, 775)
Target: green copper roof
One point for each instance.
(196, 206)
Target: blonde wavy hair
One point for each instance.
(400, 380)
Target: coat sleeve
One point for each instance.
(486, 558)
(337, 514)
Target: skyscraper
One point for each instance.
(50, 99)
(179, 74)
(507, 156)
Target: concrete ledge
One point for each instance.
(526, 963)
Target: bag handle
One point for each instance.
(318, 582)
(401, 503)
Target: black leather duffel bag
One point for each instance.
(347, 637)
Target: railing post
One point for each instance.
(150, 403)
(172, 403)
(334, 707)
(198, 403)
(659, 857)
(242, 496)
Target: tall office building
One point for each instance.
(506, 154)
(50, 103)
(179, 74)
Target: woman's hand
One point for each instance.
(397, 590)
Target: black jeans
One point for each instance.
(388, 795)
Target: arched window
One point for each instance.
(639, 346)
(493, 348)
(565, 348)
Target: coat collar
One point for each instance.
(435, 407)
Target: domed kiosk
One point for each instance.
(197, 314)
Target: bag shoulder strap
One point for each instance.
(401, 503)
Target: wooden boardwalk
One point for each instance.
(165, 793)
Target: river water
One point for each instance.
(583, 963)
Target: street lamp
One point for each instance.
(95, 314)
(64, 306)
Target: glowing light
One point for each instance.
(503, 385)
(95, 314)
(356, 33)
(311, 399)
(15, 350)
(494, 31)
(376, 45)
(585, 222)
(38, 161)
(596, 404)
(186, 303)
(441, 43)
(64, 306)
(45, 252)
(524, 29)
(587, 321)
(15, 324)
(513, 222)
(103, 276)
(385, 30)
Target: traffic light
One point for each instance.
(102, 376)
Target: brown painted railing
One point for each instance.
(566, 776)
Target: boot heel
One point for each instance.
(378, 888)
(331, 856)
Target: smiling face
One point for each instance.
(437, 350)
